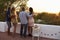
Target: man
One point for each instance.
(24, 22)
(8, 19)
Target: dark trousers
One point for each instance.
(23, 29)
(9, 26)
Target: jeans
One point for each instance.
(23, 29)
(9, 26)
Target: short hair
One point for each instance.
(23, 9)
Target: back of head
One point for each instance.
(31, 10)
(23, 9)
(8, 8)
(13, 9)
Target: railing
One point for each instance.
(48, 31)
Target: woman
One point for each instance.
(14, 19)
(30, 21)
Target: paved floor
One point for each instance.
(4, 36)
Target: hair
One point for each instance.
(31, 10)
(13, 9)
(23, 9)
(8, 8)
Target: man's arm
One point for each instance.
(28, 15)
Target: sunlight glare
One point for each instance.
(45, 5)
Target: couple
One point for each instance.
(27, 21)
(11, 17)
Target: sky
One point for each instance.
(52, 6)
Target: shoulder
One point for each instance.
(22, 12)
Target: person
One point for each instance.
(14, 20)
(30, 21)
(24, 22)
(8, 20)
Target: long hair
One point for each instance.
(31, 10)
(13, 10)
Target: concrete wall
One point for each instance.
(48, 31)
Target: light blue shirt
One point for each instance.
(23, 17)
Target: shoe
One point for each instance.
(30, 35)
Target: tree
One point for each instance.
(4, 4)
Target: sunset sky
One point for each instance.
(52, 6)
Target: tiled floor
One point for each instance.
(4, 36)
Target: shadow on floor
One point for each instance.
(4, 36)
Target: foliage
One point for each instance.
(49, 18)
(4, 5)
